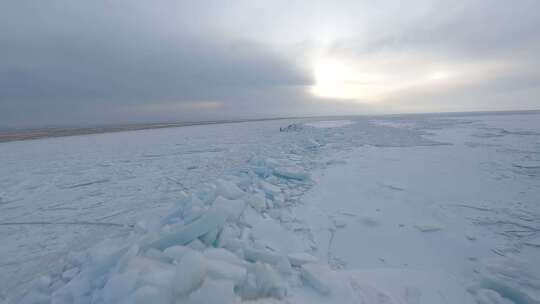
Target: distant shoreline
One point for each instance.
(9, 135)
(39, 133)
(47, 132)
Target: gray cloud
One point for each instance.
(86, 62)
(88, 57)
(454, 28)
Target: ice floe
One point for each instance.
(238, 237)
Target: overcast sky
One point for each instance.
(69, 62)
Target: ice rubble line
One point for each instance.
(204, 251)
(184, 234)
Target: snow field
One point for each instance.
(428, 210)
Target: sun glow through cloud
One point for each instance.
(440, 75)
(329, 78)
(373, 80)
(338, 79)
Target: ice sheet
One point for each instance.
(402, 193)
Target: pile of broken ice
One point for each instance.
(223, 244)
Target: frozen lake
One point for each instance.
(403, 209)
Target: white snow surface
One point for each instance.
(403, 209)
(329, 123)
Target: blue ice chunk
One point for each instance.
(207, 194)
(262, 171)
(264, 256)
(183, 234)
(228, 189)
(291, 172)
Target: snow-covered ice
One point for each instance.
(401, 209)
(318, 276)
(301, 258)
(329, 123)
